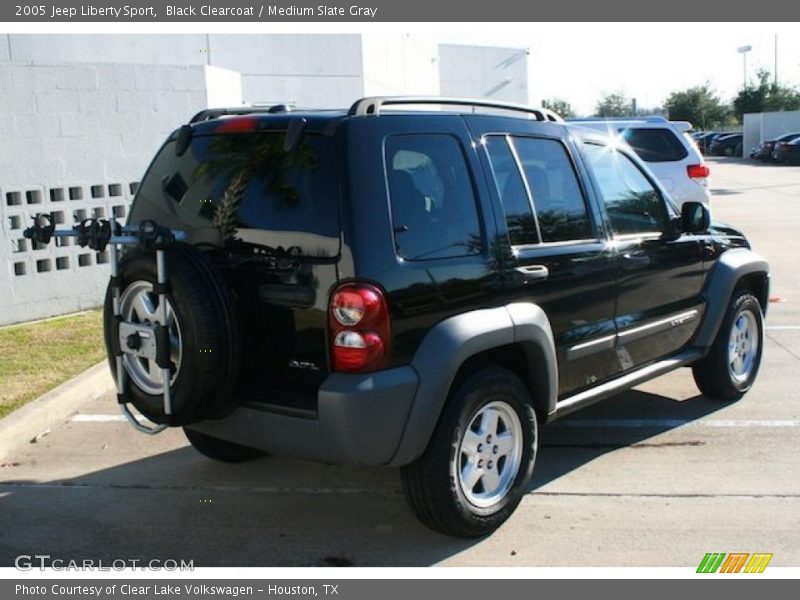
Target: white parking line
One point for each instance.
(79, 418)
(646, 423)
(782, 327)
(582, 423)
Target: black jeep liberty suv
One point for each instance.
(418, 287)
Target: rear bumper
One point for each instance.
(360, 419)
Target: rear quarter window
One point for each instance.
(655, 144)
(434, 213)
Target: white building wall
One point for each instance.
(316, 71)
(483, 72)
(401, 64)
(775, 124)
(751, 132)
(223, 87)
(310, 70)
(149, 49)
(758, 127)
(76, 139)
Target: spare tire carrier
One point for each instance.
(140, 340)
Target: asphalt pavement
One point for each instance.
(658, 476)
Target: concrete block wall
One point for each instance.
(82, 115)
(76, 139)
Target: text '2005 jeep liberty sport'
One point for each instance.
(419, 289)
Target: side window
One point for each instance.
(557, 197)
(433, 203)
(632, 203)
(511, 190)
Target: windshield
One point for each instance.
(239, 190)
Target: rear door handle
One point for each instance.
(533, 273)
(634, 261)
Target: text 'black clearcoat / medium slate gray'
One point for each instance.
(419, 283)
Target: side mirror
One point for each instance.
(695, 217)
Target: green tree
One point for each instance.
(614, 104)
(782, 98)
(699, 105)
(765, 96)
(560, 107)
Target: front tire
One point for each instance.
(730, 368)
(480, 460)
(220, 450)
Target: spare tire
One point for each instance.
(204, 336)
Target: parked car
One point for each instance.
(764, 150)
(704, 139)
(668, 151)
(710, 142)
(420, 289)
(729, 144)
(786, 151)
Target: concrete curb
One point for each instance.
(55, 406)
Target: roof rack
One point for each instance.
(644, 119)
(215, 113)
(372, 105)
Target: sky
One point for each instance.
(580, 61)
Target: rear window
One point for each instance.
(655, 144)
(245, 189)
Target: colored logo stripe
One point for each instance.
(758, 562)
(735, 561)
(711, 562)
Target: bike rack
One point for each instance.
(150, 341)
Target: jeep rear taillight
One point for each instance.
(359, 328)
(698, 171)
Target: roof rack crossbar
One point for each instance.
(372, 105)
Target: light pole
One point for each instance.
(743, 50)
(776, 60)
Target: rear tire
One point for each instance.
(730, 368)
(479, 462)
(221, 450)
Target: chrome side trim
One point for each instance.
(625, 382)
(635, 333)
(608, 342)
(585, 349)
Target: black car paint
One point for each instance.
(725, 144)
(590, 293)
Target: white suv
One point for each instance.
(667, 149)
